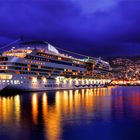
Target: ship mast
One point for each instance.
(9, 44)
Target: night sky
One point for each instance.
(91, 27)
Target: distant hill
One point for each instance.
(133, 58)
(125, 67)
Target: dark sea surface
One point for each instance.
(111, 113)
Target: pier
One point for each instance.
(125, 83)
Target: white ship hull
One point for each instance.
(23, 83)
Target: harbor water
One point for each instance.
(111, 113)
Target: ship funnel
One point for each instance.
(52, 49)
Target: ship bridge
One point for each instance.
(24, 48)
(41, 46)
(17, 52)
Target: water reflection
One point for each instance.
(51, 112)
(35, 108)
(51, 118)
(10, 106)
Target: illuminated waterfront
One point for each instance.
(111, 113)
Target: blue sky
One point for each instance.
(92, 27)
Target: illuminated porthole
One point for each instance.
(15, 82)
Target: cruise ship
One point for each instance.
(39, 66)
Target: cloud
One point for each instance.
(99, 26)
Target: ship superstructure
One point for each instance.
(37, 66)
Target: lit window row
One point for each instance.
(11, 81)
(33, 62)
